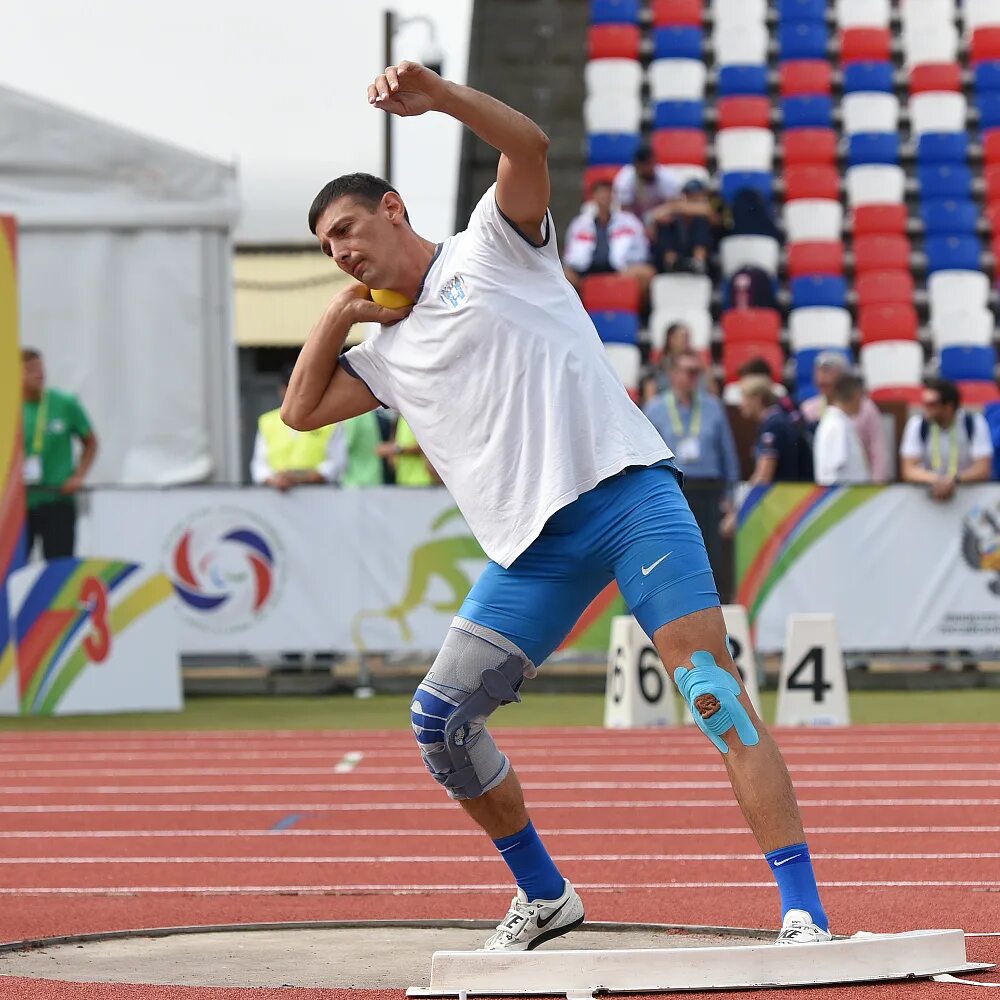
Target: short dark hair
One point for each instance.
(601, 182)
(946, 389)
(366, 188)
(30, 354)
(755, 366)
(643, 154)
(846, 387)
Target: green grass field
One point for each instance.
(390, 711)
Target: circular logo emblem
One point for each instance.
(224, 566)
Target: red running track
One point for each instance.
(109, 831)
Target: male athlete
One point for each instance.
(500, 373)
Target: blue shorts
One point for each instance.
(635, 527)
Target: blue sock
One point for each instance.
(793, 871)
(530, 864)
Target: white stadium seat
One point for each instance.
(892, 363)
(744, 149)
(685, 172)
(875, 184)
(738, 12)
(870, 112)
(927, 13)
(813, 219)
(930, 43)
(937, 111)
(680, 291)
(677, 80)
(966, 325)
(863, 13)
(753, 251)
(741, 44)
(818, 327)
(626, 361)
(698, 321)
(946, 289)
(612, 112)
(613, 76)
(980, 14)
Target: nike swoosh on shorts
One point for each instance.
(646, 570)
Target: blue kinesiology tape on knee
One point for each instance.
(713, 695)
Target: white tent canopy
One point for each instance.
(124, 259)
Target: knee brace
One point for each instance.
(713, 696)
(475, 673)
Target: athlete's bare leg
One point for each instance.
(501, 811)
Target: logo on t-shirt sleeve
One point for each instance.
(454, 291)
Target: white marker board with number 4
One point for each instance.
(812, 687)
(639, 691)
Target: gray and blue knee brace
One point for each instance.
(713, 696)
(476, 671)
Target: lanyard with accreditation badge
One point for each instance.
(33, 460)
(936, 462)
(689, 446)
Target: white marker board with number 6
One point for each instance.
(639, 691)
(812, 686)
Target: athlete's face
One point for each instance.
(363, 241)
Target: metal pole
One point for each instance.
(389, 29)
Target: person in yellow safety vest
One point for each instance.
(412, 467)
(284, 458)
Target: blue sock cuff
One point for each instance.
(793, 854)
(515, 838)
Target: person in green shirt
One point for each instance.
(412, 467)
(364, 467)
(52, 473)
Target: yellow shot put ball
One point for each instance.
(389, 299)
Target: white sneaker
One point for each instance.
(798, 928)
(529, 924)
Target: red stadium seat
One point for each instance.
(935, 76)
(985, 45)
(879, 288)
(680, 145)
(812, 180)
(592, 175)
(991, 145)
(809, 145)
(910, 394)
(804, 76)
(892, 321)
(881, 253)
(991, 175)
(670, 12)
(743, 112)
(757, 325)
(978, 393)
(878, 220)
(613, 41)
(737, 353)
(815, 257)
(610, 291)
(993, 215)
(865, 45)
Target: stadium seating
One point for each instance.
(809, 145)
(813, 219)
(819, 327)
(961, 324)
(610, 292)
(736, 354)
(613, 41)
(818, 290)
(889, 321)
(798, 77)
(681, 291)
(968, 362)
(879, 219)
(815, 257)
(616, 327)
(876, 288)
(758, 325)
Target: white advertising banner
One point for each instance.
(898, 570)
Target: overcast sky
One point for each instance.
(278, 88)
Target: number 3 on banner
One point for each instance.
(94, 595)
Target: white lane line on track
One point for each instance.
(409, 890)
(679, 831)
(348, 762)
(727, 803)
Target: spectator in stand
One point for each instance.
(363, 436)
(283, 458)
(677, 341)
(51, 421)
(838, 455)
(828, 368)
(695, 427)
(782, 452)
(408, 459)
(947, 445)
(645, 185)
(602, 240)
(682, 231)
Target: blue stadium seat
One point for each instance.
(987, 77)
(989, 110)
(805, 362)
(802, 40)
(677, 41)
(870, 76)
(948, 215)
(679, 114)
(945, 180)
(872, 147)
(810, 111)
(616, 327)
(802, 10)
(952, 253)
(943, 147)
(736, 180)
(738, 81)
(819, 290)
(612, 147)
(614, 11)
(972, 363)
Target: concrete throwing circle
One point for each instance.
(367, 954)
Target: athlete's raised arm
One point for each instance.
(523, 174)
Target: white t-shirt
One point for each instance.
(838, 456)
(935, 452)
(506, 384)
